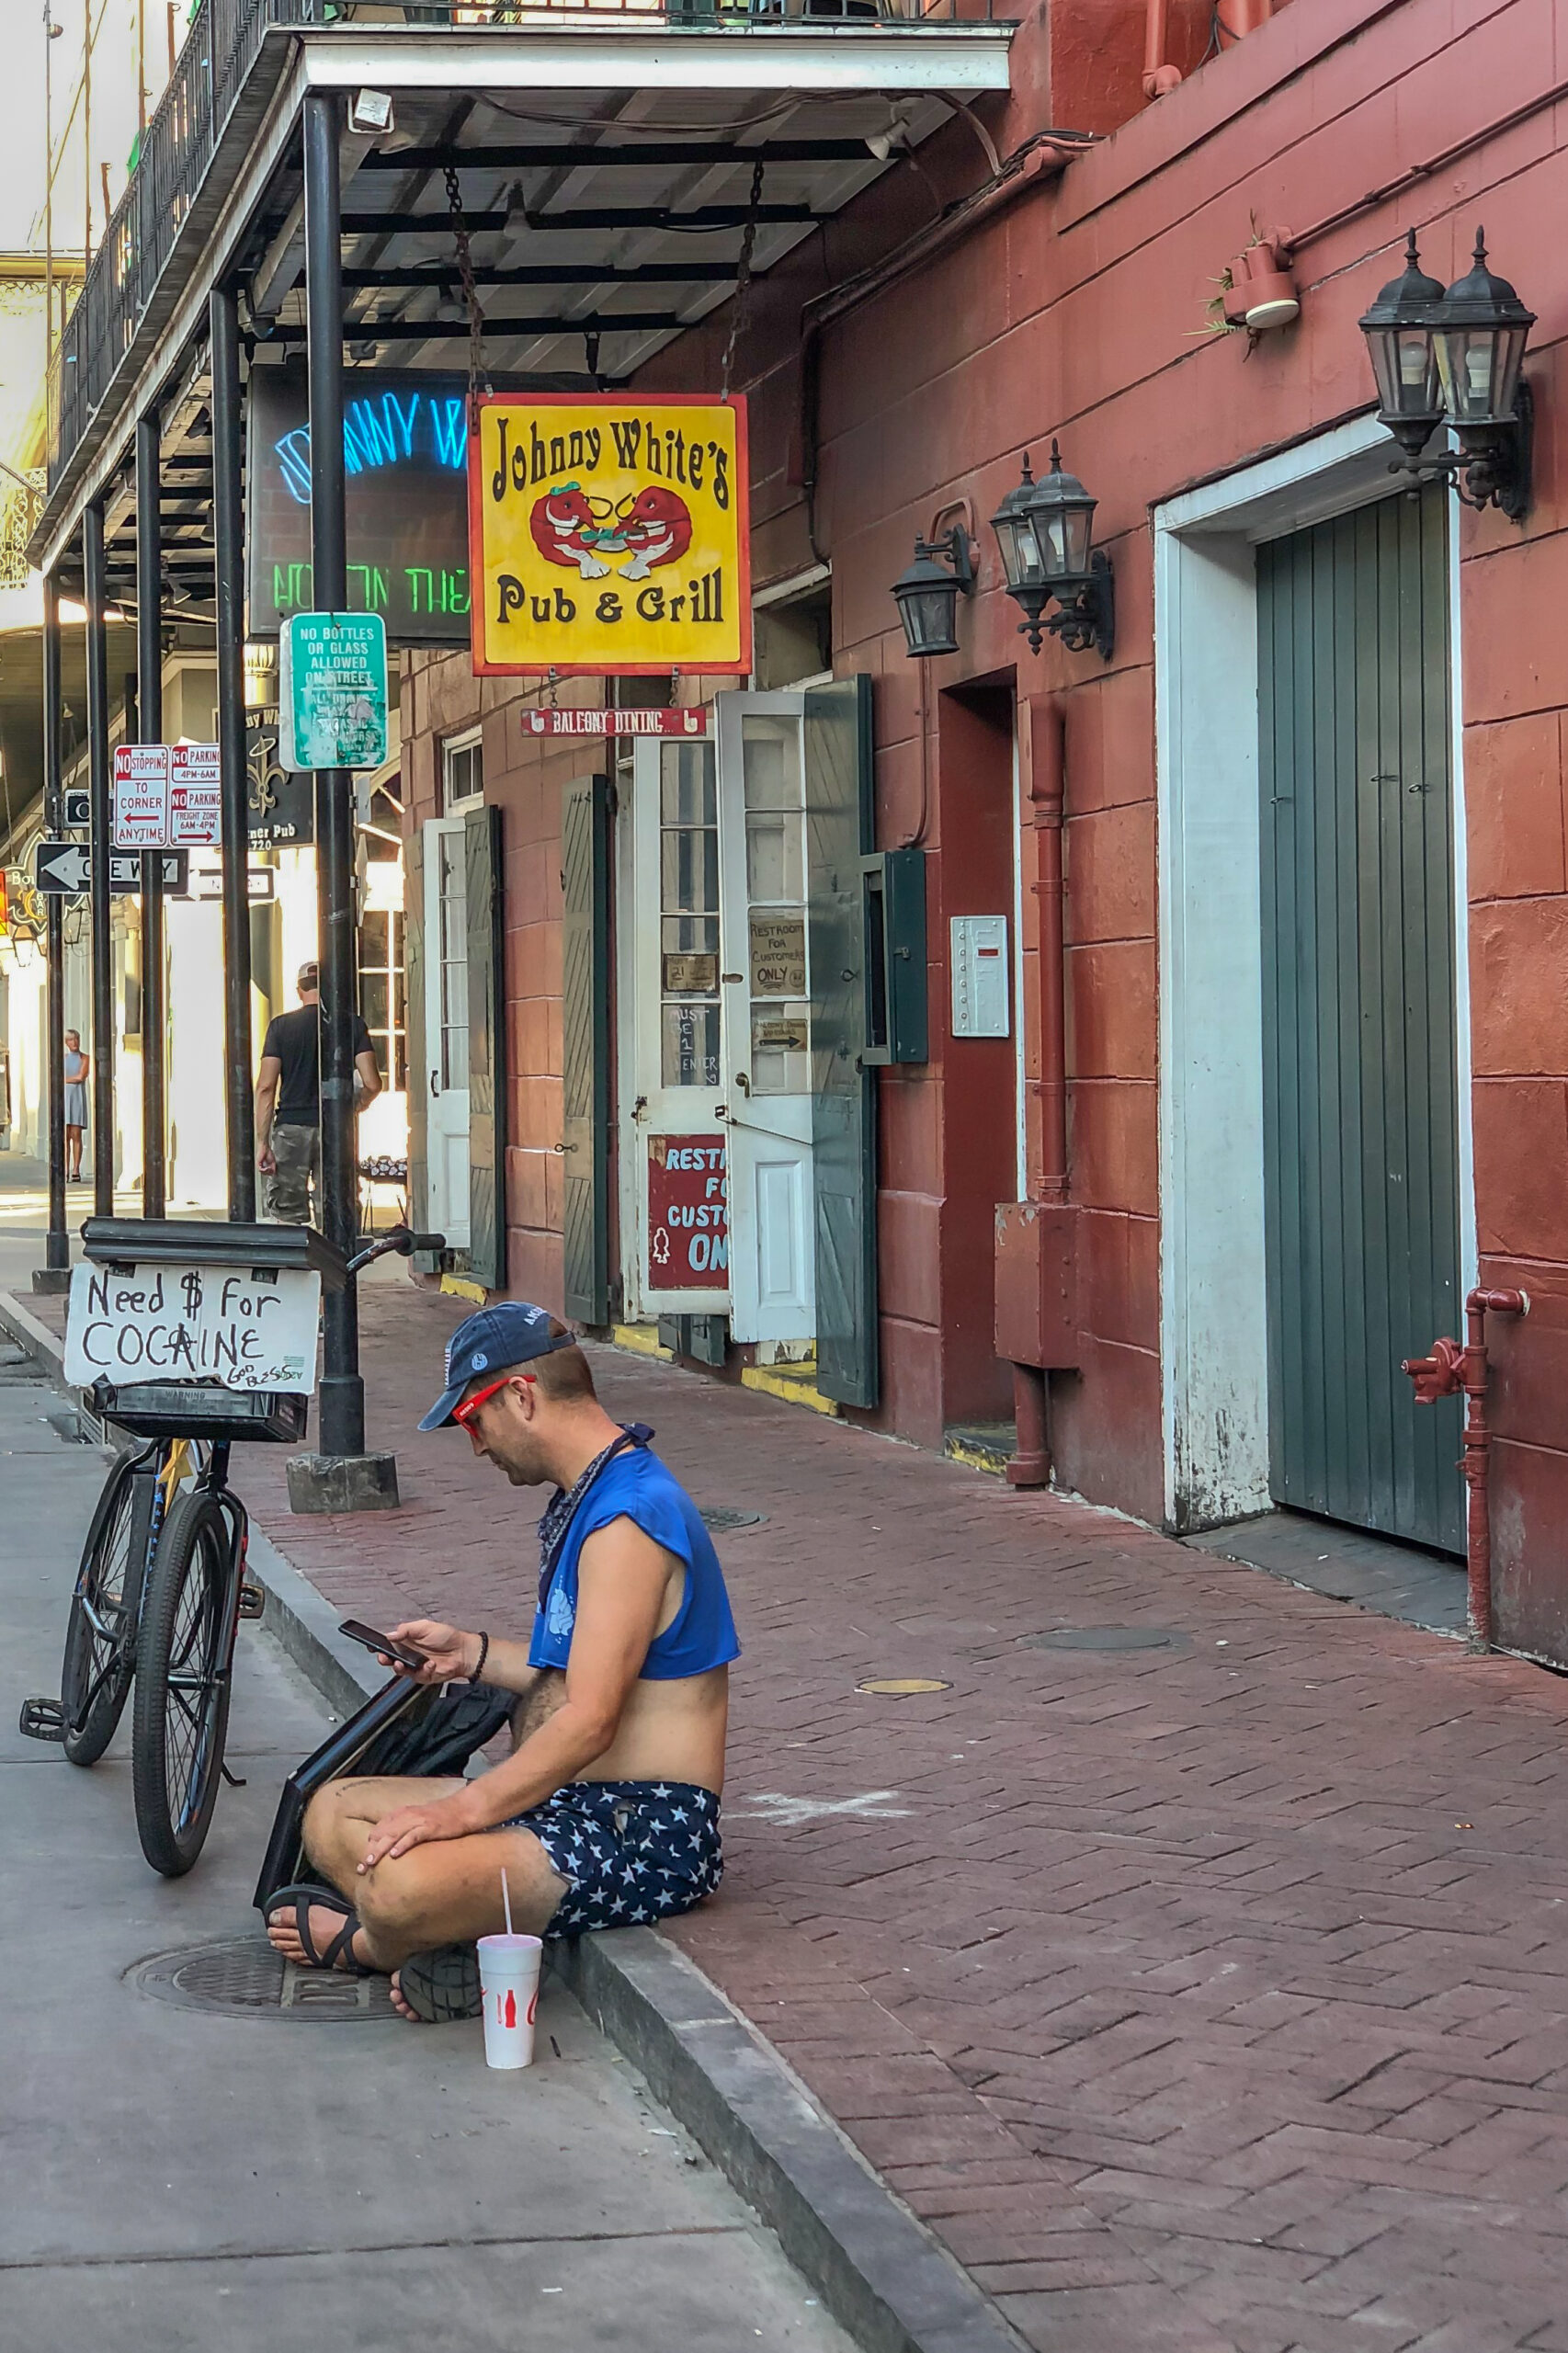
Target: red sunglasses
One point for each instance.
(463, 1414)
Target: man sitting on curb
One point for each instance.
(607, 1811)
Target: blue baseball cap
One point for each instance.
(507, 1334)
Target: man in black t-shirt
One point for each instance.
(288, 1102)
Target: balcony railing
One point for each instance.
(224, 40)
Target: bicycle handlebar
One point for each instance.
(402, 1240)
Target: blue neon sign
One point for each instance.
(384, 429)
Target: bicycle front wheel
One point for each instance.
(100, 1635)
(182, 1685)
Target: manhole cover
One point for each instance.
(1107, 1638)
(723, 1518)
(243, 1976)
(900, 1687)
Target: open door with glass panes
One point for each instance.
(675, 1178)
(716, 1136)
(766, 1008)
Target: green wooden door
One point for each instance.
(1360, 1150)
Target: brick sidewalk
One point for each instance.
(1200, 1997)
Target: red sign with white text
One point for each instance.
(691, 719)
(688, 1214)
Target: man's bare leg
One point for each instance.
(447, 1892)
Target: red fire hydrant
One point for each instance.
(1444, 1373)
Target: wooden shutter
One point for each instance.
(584, 986)
(486, 1053)
(840, 824)
(418, 1068)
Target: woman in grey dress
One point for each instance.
(78, 1070)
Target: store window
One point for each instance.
(688, 914)
(382, 998)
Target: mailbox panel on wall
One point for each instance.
(980, 976)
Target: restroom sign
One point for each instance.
(610, 536)
(688, 1214)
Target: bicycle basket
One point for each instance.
(200, 1409)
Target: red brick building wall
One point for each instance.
(1078, 307)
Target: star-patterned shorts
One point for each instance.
(629, 1851)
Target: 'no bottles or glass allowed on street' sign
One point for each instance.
(333, 690)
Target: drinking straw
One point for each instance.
(506, 1899)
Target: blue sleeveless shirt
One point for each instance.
(637, 1486)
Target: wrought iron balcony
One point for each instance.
(211, 76)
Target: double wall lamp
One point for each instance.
(1452, 360)
(1044, 530)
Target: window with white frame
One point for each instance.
(462, 773)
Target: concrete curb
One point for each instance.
(876, 2267)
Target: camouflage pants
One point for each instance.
(297, 1151)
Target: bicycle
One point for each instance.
(158, 1598)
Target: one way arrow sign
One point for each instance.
(64, 869)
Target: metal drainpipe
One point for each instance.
(1161, 77)
(1444, 1373)
(1030, 1464)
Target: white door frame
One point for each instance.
(450, 1216)
(770, 1159)
(649, 1109)
(1213, 1323)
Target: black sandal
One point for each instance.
(339, 1954)
(442, 1986)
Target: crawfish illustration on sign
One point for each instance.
(651, 527)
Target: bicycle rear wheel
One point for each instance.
(182, 1683)
(101, 1634)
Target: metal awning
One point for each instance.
(609, 167)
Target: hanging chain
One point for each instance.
(477, 374)
(742, 282)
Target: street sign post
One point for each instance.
(333, 690)
(63, 870)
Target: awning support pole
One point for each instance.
(224, 329)
(99, 810)
(53, 1274)
(150, 728)
(342, 1391)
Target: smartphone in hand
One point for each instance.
(400, 1652)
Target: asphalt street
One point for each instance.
(192, 2179)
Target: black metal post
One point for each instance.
(53, 1276)
(150, 730)
(342, 1391)
(224, 329)
(98, 807)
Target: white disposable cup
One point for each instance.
(508, 1980)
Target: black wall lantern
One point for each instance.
(1453, 358)
(1044, 530)
(927, 594)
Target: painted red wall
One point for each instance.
(1081, 308)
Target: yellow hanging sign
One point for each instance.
(608, 536)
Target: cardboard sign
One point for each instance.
(184, 1324)
(688, 1214)
(140, 796)
(777, 955)
(196, 798)
(610, 536)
